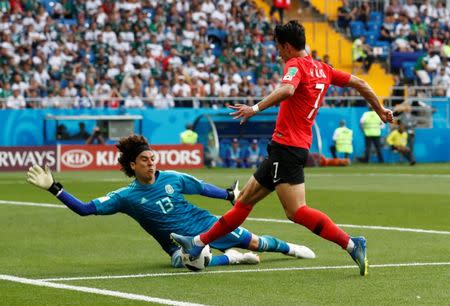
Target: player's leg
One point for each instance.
(292, 198)
(266, 243)
(239, 238)
(252, 192)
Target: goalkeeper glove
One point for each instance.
(233, 192)
(43, 179)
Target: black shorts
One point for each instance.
(284, 165)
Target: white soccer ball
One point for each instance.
(200, 263)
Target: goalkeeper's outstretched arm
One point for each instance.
(43, 179)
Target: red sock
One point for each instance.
(320, 224)
(231, 220)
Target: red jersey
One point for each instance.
(311, 80)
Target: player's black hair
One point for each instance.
(131, 147)
(292, 33)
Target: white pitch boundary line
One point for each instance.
(372, 227)
(32, 204)
(124, 295)
(413, 264)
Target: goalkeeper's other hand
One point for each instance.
(40, 177)
(234, 192)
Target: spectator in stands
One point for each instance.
(16, 101)
(427, 66)
(82, 133)
(363, 12)
(134, 100)
(362, 53)
(403, 26)
(279, 6)
(345, 15)
(393, 8)
(398, 140)
(253, 156)
(410, 10)
(96, 137)
(371, 125)
(180, 90)
(326, 60)
(233, 155)
(418, 40)
(342, 140)
(84, 100)
(189, 136)
(315, 56)
(442, 13)
(402, 43)
(114, 99)
(441, 83)
(428, 10)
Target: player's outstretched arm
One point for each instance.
(43, 179)
(278, 95)
(367, 92)
(229, 194)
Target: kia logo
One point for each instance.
(77, 158)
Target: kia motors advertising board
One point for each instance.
(22, 158)
(104, 157)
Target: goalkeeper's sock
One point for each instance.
(227, 223)
(320, 224)
(219, 260)
(272, 244)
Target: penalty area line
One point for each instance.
(370, 227)
(412, 264)
(123, 295)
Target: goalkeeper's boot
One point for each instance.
(188, 245)
(236, 257)
(300, 251)
(359, 255)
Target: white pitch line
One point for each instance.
(124, 295)
(372, 227)
(413, 264)
(32, 204)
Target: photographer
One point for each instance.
(96, 137)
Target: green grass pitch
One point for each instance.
(47, 243)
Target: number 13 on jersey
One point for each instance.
(321, 87)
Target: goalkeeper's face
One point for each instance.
(144, 167)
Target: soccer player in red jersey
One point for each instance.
(301, 93)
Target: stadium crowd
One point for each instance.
(405, 26)
(86, 53)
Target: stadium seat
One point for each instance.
(371, 37)
(373, 26)
(357, 29)
(376, 17)
(398, 58)
(385, 47)
(408, 70)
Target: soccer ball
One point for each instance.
(200, 263)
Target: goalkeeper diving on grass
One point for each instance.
(155, 200)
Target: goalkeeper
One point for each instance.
(155, 200)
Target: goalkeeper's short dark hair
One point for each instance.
(129, 146)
